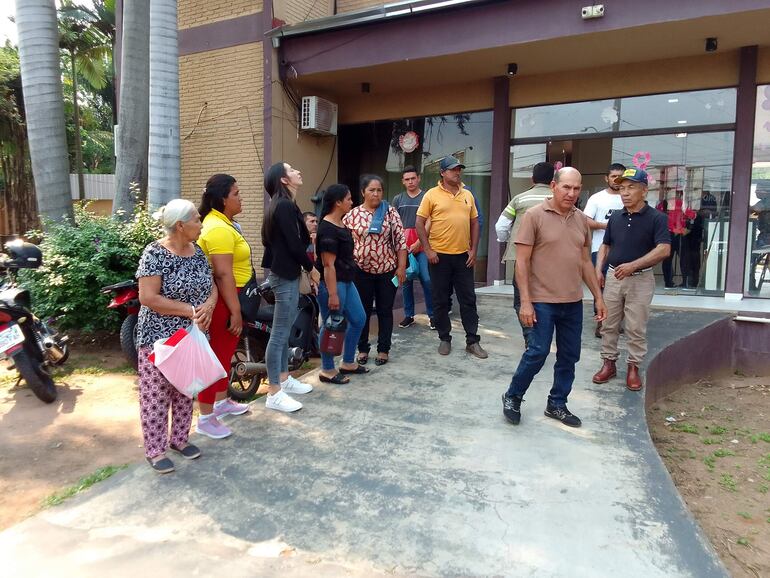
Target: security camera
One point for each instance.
(587, 12)
(593, 11)
(711, 44)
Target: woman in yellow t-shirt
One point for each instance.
(230, 258)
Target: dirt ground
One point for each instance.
(714, 437)
(93, 423)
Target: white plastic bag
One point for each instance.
(187, 361)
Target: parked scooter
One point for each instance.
(30, 344)
(126, 298)
(248, 366)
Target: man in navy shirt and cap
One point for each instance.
(636, 239)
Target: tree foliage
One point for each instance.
(79, 259)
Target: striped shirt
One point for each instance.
(515, 210)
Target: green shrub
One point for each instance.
(80, 259)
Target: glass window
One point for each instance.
(672, 110)
(758, 250)
(690, 181)
(381, 148)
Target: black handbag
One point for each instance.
(249, 298)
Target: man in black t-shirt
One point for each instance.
(636, 239)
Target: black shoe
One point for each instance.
(563, 415)
(190, 452)
(512, 409)
(406, 322)
(432, 324)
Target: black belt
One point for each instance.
(639, 272)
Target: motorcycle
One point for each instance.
(248, 365)
(126, 297)
(29, 344)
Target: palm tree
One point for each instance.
(164, 162)
(18, 209)
(88, 49)
(134, 110)
(44, 106)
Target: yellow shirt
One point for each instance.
(220, 237)
(450, 219)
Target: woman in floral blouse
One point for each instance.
(380, 253)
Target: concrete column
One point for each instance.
(742, 160)
(498, 193)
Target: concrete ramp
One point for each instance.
(408, 471)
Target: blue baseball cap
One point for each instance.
(636, 175)
(450, 162)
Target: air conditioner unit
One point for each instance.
(319, 116)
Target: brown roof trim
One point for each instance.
(222, 34)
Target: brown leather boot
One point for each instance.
(633, 381)
(606, 373)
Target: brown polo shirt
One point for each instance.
(556, 266)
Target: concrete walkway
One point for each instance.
(409, 471)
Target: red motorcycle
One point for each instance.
(126, 297)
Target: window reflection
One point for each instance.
(758, 253)
(671, 110)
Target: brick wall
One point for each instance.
(295, 11)
(350, 5)
(222, 141)
(197, 12)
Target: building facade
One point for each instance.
(682, 89)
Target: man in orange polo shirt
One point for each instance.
(451, 251)
(553, 255)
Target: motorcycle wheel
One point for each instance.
(243, 388)
(31, 368)
(128, 339)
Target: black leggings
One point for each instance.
(377, 294)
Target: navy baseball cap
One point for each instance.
(636, 175)
(449, 163)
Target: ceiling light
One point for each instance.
(681, 135)
(681, 122)
(673, 100)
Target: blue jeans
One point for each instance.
(352, 310)
(286, 293)
(567, 320)
(424, 276)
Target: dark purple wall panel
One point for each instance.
(482, 26)
(498, 193)
(222, 34)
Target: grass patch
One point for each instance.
(745, 515)
(712, 441)
(685, 428)
(710, 462)
(83, 484)
(765, 437)
(717, 429)
(723, 453)
(763, 489)
(728, 483)
(742, 541)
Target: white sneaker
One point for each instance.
(293, 385)
(282, 401)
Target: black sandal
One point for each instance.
(363, 358)
(164, 466)
(357, 371)
(339, 379)
(190, 452)
(380, 361)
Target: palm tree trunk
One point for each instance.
(78, 143)
(164, 163)
(44, 104)
(134, 106)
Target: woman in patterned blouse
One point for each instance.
(380, 253)
(175, 288)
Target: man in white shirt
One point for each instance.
(598, 210)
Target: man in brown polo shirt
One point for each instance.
(553, 255)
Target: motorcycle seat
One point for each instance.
(121, 285)
(265, 312)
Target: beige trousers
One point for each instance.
(627, 299)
